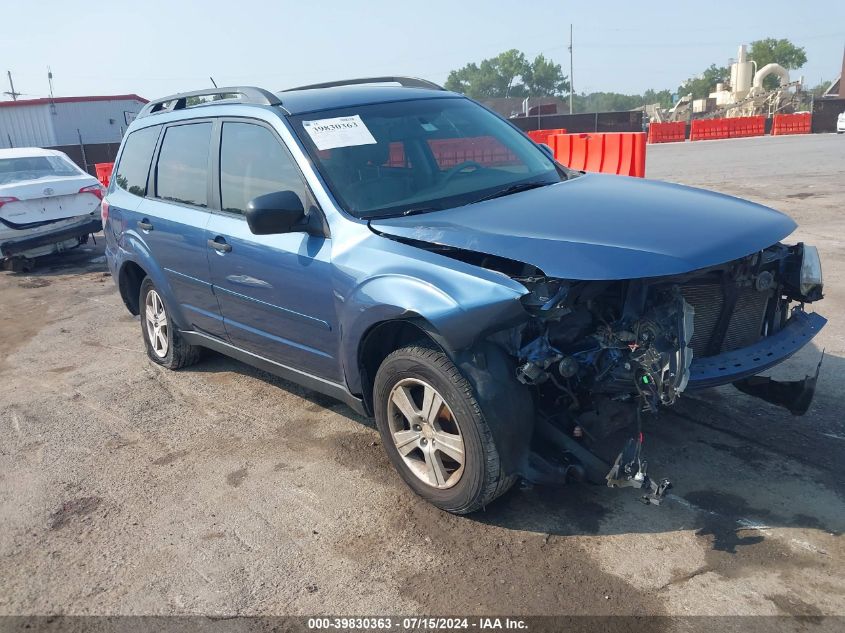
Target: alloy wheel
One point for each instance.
(156, 320)
(426, 433)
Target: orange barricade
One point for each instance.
(104, 172)
(740, 127)
(542, 136)
(448, 152)
(709, 129)
(621, 153)
(486, 150)
(670, 132)
(800, 123)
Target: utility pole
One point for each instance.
(50, 81)
(842, 77)
(11, 92)
(571, 84)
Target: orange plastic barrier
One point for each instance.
(709, 129)
(801, 123)
(448, 152)
(486, 150)
(670, 132)
(740, 127)
(621, 153)
(104, 172)
(542, 136)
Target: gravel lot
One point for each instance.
(129, 489)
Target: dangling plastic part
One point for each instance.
(630, 469)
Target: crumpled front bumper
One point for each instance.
(729, 367)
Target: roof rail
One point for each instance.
(250, 94)
(407, 82)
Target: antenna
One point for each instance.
(50, 81)
(213, 83)
(11, 92)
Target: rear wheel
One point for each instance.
(434, 431)
(165, 345)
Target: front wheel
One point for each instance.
(434, 431)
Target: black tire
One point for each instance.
(483, 479)
(178, 353)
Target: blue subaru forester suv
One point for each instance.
(409, 252)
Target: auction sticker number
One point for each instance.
(342, 131)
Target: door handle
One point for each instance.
(220, 245)
(145, 225)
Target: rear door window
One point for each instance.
(134, 166)
(253, 162)
(182, 169)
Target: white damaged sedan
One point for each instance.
(47, 203)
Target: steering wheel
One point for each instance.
(460, 167)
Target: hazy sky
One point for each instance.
(156, 47)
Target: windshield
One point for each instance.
(34, 167)
(425, 155)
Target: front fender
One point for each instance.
(454, 322)
(458, 326)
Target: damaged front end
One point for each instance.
(599, 355)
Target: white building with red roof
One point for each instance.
(61, 121)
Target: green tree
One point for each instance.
(494, 77)
(606, 102)
(783, 52)
(701, 86)
(663, 97)
(544, 78)
(819, 89)
(509, 74)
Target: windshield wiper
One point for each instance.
(511, 189)
(418, 210)
(406, 212)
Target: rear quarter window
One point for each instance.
(134, 166)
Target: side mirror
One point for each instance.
(278, 212)
(546, 150)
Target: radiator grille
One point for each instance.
(707, 301)
(746, 321)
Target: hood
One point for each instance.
(603, 227)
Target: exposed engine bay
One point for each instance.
(601, 355)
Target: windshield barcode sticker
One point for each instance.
(344, 131)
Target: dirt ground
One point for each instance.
(129, 489)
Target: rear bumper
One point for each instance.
(17, 246)
(729, 367)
